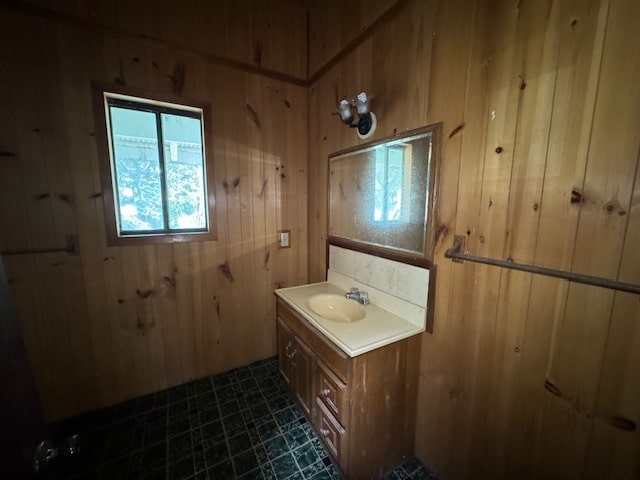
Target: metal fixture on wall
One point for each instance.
(367, 121)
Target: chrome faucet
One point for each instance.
(358, 296)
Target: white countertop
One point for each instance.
(379, 327)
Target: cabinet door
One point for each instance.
(304, 365)
(285, 348)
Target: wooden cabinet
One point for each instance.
(296, 363)
(363, 408)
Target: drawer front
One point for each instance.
(332, 434)
(332, 392)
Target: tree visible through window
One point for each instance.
(390, 185)
(157, 167)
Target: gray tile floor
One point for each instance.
(241, 424)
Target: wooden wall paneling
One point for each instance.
(152, 288)
(24, 283)
(291, 198)
(166, 315)
(32, 122)
(285, 200)
(582, 39)
(614, 441)
(69, 267)
(463, 327)
(244, 247)
(527, 312)
(220, 298)
(187, 26)
(570, 117)
(252, 211)
(52, 269)
(133, 322)
(266, 136)
(448, 76)
(237, 43)
(130, 16)
(223, 305)
(578, 355)
(608, 185)
(537, 48)
(324, 38)
(13, 199)
(128, 364)
(184, 310)
(235, 114)
(211, 339)
(297, 144)
(334, 24)
(318, 147)
(80, 49)
(616, 408)
(212, 26)
(198, 314)
(401, 57)
(196, 86)
(269, 193)
(490, 189)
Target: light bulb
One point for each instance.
(344, 108)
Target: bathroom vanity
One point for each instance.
(353, 365)
(355, 381)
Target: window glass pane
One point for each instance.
(395, 179)
(137, 169)
(184, 172)
(380, 182)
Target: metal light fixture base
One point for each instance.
(367, 125)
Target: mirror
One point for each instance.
(381, 194)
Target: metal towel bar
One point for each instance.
(455, 253)
(70, 248)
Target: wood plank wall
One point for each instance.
(114, 323)
(524, 376)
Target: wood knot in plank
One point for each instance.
(613, 206)
(576, 196)
(265, 181)
(551, 388)
(267, 255)
(144, 294)
(622, 423)
(177, 78)
(257, 52)
(226, 271)
(253, 115)
(441, 234)
(456, 130)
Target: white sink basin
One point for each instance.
(336, 308)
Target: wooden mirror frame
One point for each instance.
(424, 260)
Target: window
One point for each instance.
(154, 165)
(392, 184)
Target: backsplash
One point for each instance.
(408, 282)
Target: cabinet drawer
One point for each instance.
(332, 392)
(332, 434)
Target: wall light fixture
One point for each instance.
(367, 121)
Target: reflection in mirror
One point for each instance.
(380, 194)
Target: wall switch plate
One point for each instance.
(284, 238)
